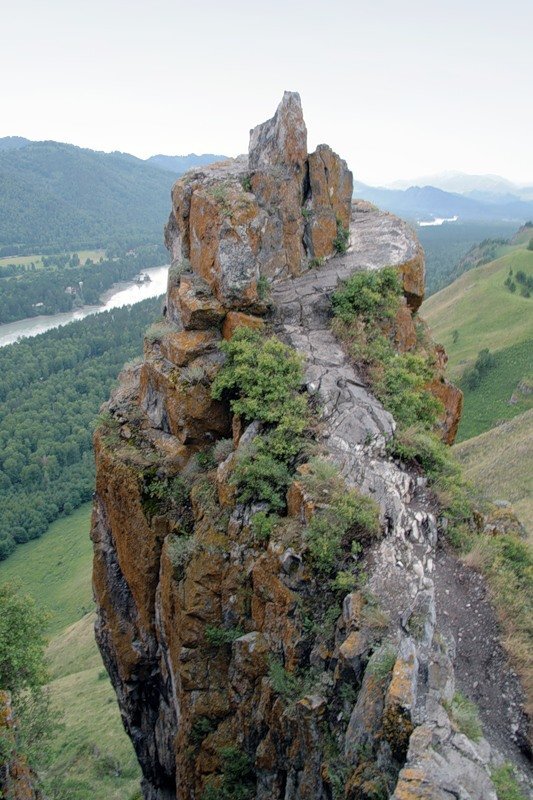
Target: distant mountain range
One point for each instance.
(481, 187)
(180, 164)
(58, 195)
(427, 202)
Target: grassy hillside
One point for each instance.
(92, 756)
(488, 404)
(65, 196)
(500, 461)
(482, 311)
(56, 570)
(478, 311)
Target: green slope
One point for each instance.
(489, 403)
(482, 311)
(92, 756)
(500, 461)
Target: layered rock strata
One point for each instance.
(255, 242)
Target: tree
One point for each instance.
(22, 664)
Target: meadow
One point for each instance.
(91, 756)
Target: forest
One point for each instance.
(52, 387)
(66, 196)
(62, 284)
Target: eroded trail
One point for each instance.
(412, 580)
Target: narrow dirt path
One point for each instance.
(482, 669)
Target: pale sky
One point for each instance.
(400, 88)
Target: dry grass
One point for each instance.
(507, 563)
(500, 462)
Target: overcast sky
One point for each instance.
(400, 88)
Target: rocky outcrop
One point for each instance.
(235, 673)
(266, 215)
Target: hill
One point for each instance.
(180, 164)
(471, 185)
(500, 461)
(61, 195)
(56, 194)
(13, 142)
(92, 756)
(425, 202)
(478, 310)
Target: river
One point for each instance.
(122, 294)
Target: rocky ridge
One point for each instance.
(255, 242)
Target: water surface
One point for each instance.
(121, 294)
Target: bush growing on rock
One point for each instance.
(262, 378)
(349, 517)
(464, 715)
(260, 477)
(369, 295)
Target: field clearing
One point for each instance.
(482, 311)
(92, 756)
(94, 255)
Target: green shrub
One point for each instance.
(161, 495)
(464, 714)
(350, 516)
(400, 383)
(503, 778)
(417, 444)
(342, 239)
(263, 375)
(180, 550)
(370, 295)
(284, 683)
(344, 582)
(246, 183)
(238, 777)
(262, 525)
(382, 663)
(263, 288)
(201, 727)
(260, 477)
(217, 637)
(222, 449)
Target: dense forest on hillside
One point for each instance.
(65, 196)
(52, 387)
(54, 289)
(446, 245)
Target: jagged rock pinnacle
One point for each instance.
(282, 140)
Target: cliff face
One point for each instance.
(237, 674)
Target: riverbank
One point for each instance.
(121, 294)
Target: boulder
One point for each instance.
(199, 309)
(236, 319)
